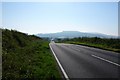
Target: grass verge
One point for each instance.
(96, 46)
(29, 59)
(102, 43)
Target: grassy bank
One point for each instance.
(102, 43)
(27, 57)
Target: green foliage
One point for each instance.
(104, 43)
(26, 57)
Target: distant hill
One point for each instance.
(72, 34)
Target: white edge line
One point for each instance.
(63, 71)
(106, 60)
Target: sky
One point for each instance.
(59, 0)
(51, 17)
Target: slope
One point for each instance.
(26, 57)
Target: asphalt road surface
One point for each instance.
(79, 61)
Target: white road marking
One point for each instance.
(63, 71)
(106, 60)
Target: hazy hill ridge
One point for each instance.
(72, 34)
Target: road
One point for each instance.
(79, 61)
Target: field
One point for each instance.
(27, 57)
(103, 43)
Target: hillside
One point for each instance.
(26, 57)
(73, 34)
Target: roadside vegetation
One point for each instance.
(27, 57)
(103, 43)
